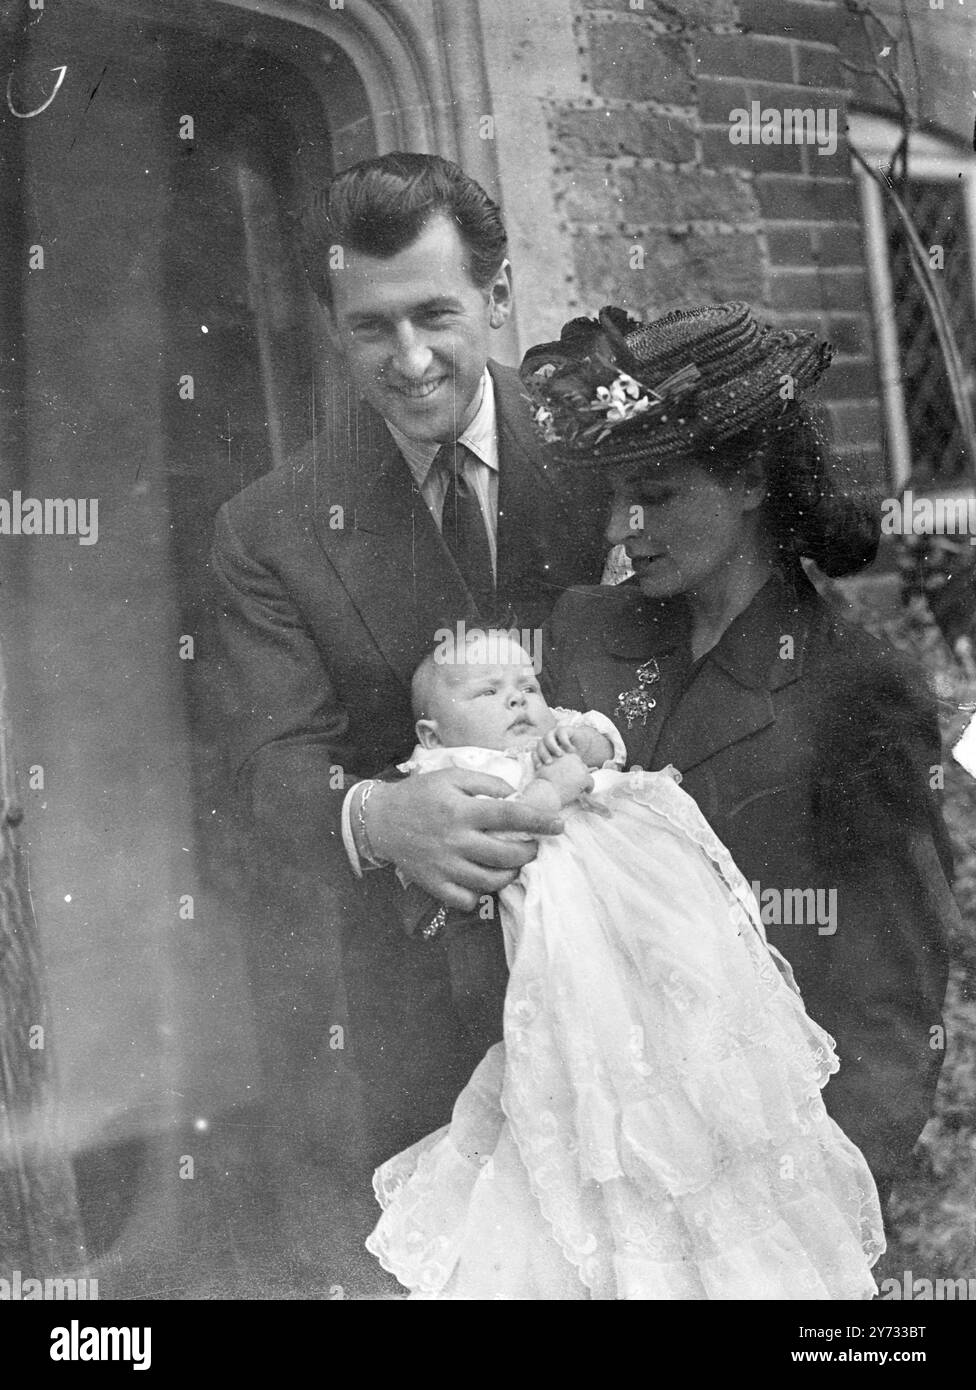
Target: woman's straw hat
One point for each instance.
(615, 391)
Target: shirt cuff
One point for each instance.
(357, 862)
(348, 839)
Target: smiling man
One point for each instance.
(424, 504)
(414, 328)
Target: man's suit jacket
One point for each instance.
(332, 580)
(808, 748)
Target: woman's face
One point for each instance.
(682, 526)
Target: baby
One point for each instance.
(652, 1125)
(466, 702)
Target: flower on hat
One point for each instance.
(584, 386)
(543, 418)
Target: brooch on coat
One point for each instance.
(637, 703)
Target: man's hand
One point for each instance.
(440, 829)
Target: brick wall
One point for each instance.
(662, 209)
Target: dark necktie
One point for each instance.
(463, 525)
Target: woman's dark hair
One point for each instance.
(381, 206)
(815, 507)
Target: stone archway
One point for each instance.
(425, 96)
(422, 95)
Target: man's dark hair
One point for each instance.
(381, 206)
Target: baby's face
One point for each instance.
(487, 706)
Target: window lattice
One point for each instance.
(939, 213)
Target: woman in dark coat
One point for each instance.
(809, 746)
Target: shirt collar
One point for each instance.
(480, 438)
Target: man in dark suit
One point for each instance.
(423, 504)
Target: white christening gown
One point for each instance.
(652, 1126)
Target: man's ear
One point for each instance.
(500, 296)
(427, 735)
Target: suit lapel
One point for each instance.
(389, 554)
(715, 712)
(524, 490)
(731, 696)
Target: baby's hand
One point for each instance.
(567, 774)
(595, 749)
(556, 744)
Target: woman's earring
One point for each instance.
(637, 703)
